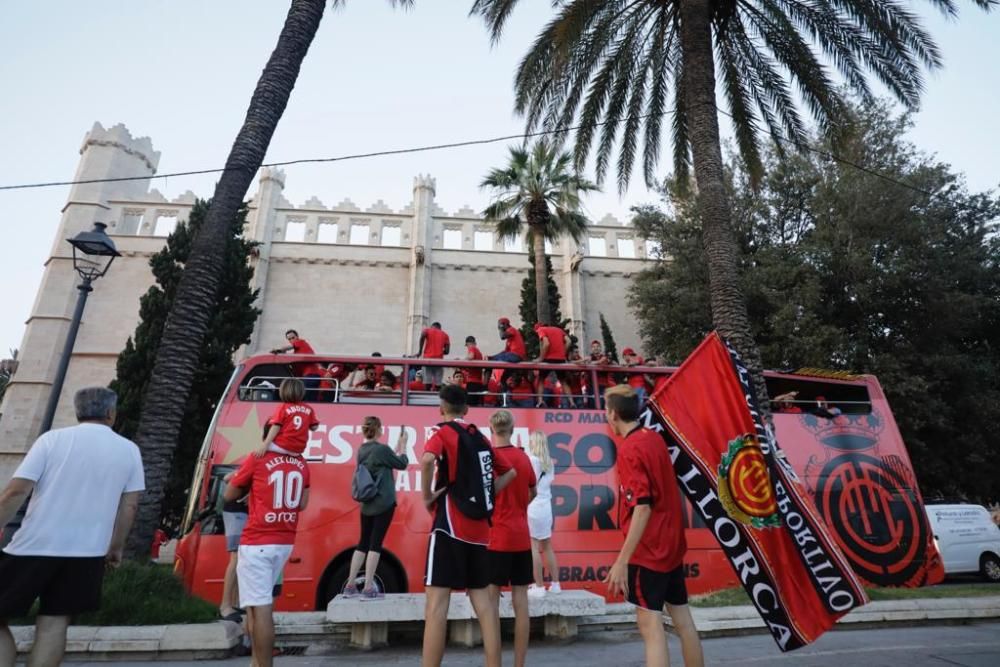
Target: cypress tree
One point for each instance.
(231, 326)
(610, 349)
(528, 309)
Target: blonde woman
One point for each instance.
(540, 514)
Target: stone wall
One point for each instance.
(349, 279)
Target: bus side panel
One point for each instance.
(587, 536)
(858, 473)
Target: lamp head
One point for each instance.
(93, 252)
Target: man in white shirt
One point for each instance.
(84, 482)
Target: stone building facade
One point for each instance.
(349, 279)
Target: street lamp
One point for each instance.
(93, 253)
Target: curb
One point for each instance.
(312, 634)
(720, 621)
(176, 642)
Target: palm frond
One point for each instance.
(538, 175)
(611, 66)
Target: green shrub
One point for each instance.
(143, 594)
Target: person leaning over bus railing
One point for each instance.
(387, 382)
(310, 373)
(475, 384)
(376, 514)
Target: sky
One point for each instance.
(182, 71)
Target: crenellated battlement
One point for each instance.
(118, 136)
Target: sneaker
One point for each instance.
(372, 594)
(350, 591)
(536, 591)
(555, 587)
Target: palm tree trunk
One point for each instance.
(194, 304)
(729, 310)
(536, 222)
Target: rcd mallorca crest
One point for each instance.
(868, 499)
(745, 487)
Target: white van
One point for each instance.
(967, 538)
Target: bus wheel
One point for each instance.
(386, 579)
(989, 566)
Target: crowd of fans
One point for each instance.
(554, 388)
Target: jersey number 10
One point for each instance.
(287, 489)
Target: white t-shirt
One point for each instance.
(543, 487)
(80, 474)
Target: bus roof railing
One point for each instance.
(808, 375)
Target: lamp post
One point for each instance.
(93, 253)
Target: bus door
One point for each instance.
(208, 539)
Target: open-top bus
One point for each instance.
(838, 434)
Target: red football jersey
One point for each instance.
(434, 345)
(515, 343)
(474, 374)
(301, 346)
(646, 475)
(277, 484)
(510, 518)
(447, 517)
(637, 380)
(295, 420)
(557, 343)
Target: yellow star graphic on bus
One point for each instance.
(244, 438)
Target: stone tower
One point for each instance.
(419, 300)
(105, 153)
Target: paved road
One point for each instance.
(975, 645)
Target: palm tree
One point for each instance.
(612, 67)
(540, 189)
(189, 318)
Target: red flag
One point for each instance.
(731, 469)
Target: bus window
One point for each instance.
(262, 382)
(211, 514)
(379, 384)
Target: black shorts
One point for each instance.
(452, 563)
(511, 568)
(651, 590)
(65, 586)
(373, 530)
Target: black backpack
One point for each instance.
(472, 490)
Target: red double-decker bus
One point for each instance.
(838, 433)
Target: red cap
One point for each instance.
(629, 352)
(538, 325)
(503, 320)
(595, 341)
